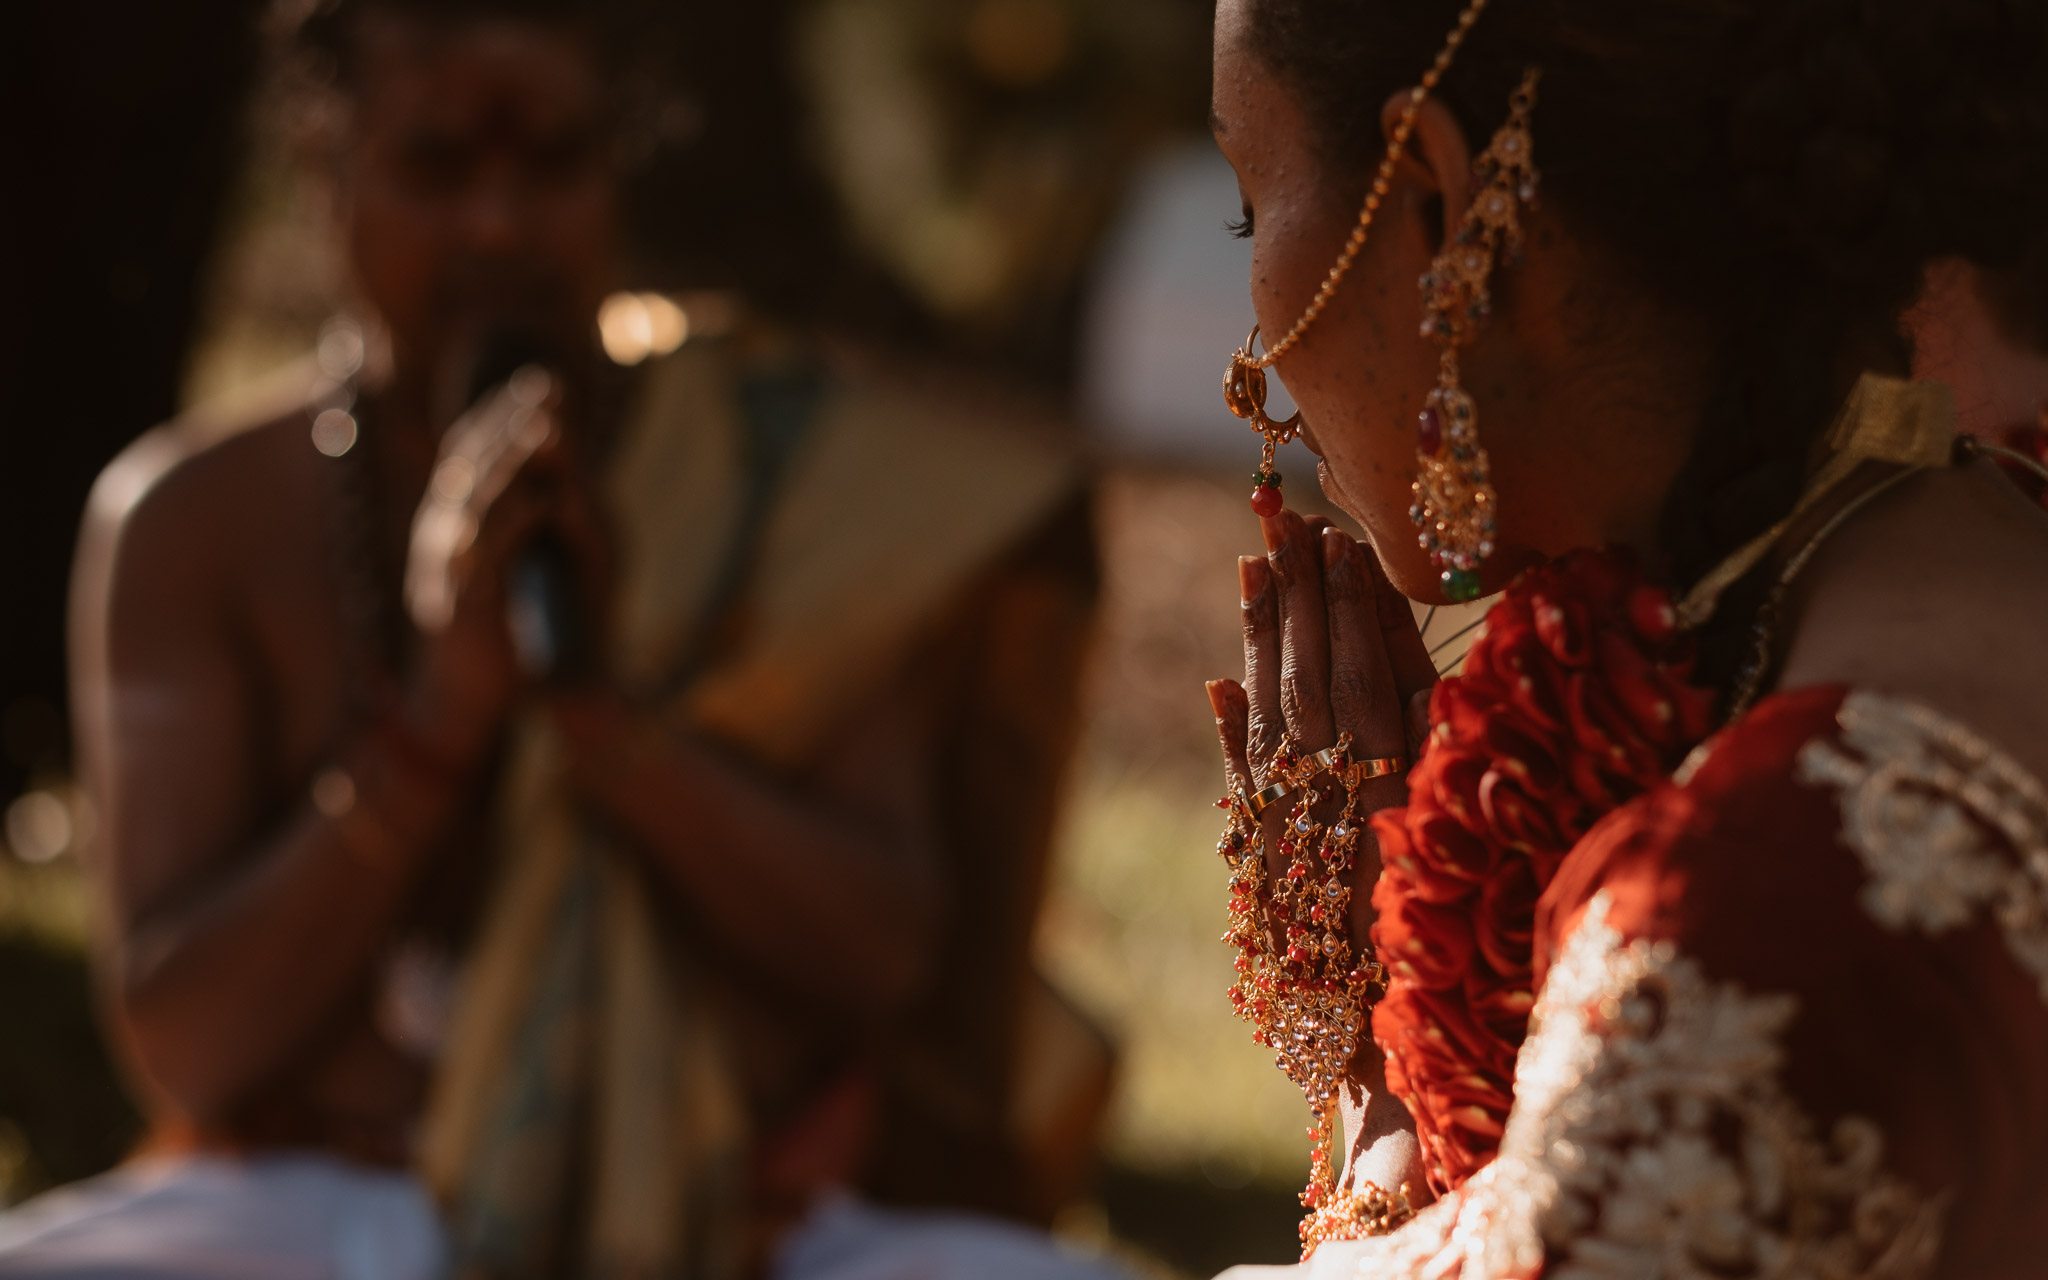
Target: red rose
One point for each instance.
(1506, 928)
(1398, 857)
(1500, 1004)
(1562, 626)
(1522, 750)
(1574, 700)
(1431, 861)
(1450, 849)
(1453, 785)
(1457, 713)
(1517, 819)
(1425, 944)
(1602, 730)
(1638, 690)
(1521, 668)
(1589, 782)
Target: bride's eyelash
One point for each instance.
(1240, 227)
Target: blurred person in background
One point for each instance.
(600, 834)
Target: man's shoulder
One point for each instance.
(185, 495)
(210, 461)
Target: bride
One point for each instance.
(1699, 926)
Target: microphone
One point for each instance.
(544, 599)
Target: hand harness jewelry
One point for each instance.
(1299, 984)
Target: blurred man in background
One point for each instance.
(626, 806)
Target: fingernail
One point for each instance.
(1251, 578)
(1219, 698)
(1274, 530)
(1333, 548)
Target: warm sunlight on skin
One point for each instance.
(1577, 461)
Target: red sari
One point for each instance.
(1775, 1004)
(1793, 1020)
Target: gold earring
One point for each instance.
(1455, 505)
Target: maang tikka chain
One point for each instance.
(1244, 382)
(1455, 505)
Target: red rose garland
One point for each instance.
(1575, 699)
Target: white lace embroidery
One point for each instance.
(1945, 823)
(1651, 1137)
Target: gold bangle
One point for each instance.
(1259, 802)
(1369, 1211)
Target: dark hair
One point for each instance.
(1784, 169)
(326, 33)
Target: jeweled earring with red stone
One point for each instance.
(1455, 507)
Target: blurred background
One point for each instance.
(1029, 193)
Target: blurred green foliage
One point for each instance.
(979, 149)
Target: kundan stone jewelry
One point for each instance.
(1455, 506)
(1299, 983)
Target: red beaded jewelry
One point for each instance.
(1244, 390)
(1299, 984)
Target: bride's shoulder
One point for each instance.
(1849, 814)
(1938, 595)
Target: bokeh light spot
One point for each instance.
(635, 326)
(39, 827)
(334, 432)
(340, 350)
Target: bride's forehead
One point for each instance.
(1233, 17)
(1234, 33)
(1253, 113)
(1240, 77)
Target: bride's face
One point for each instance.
(1589, 387)
(1361, 372)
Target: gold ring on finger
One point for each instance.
(1366, 770)
(1260, 801)
(1331, 759)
